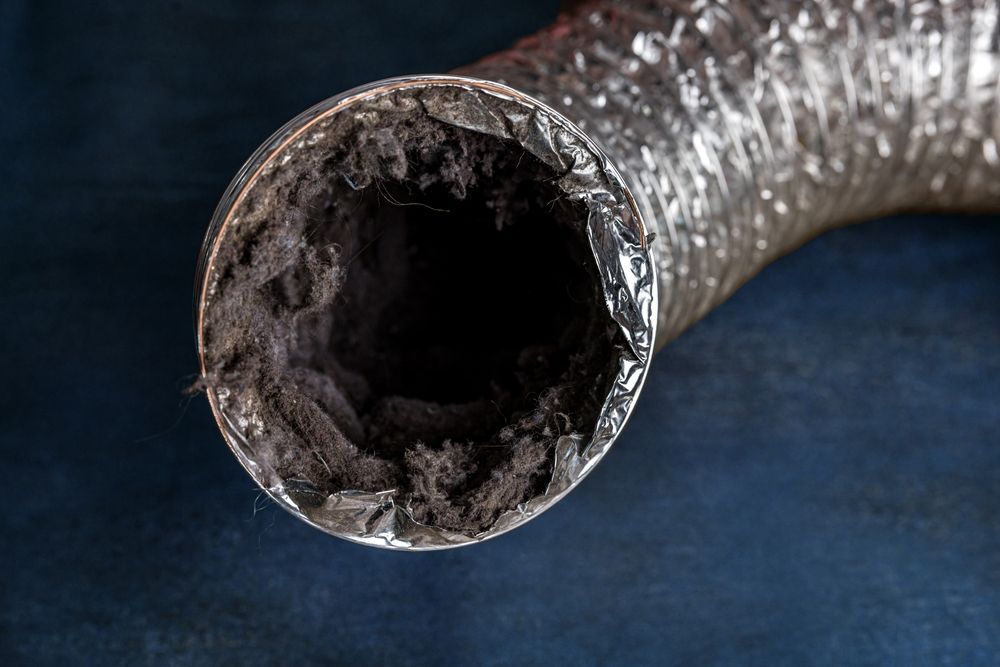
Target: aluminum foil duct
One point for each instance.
(707, 138)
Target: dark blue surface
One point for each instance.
(811, 477)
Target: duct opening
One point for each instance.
(404, 304)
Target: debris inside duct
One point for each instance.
(405, 304)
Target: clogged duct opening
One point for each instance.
(404, 304)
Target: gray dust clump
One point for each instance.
(400, 303)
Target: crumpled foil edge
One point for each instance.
(617, 238)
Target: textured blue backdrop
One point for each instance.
(812, 474)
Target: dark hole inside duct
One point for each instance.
(448, 326)
(439, 305)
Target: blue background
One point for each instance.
(812, 475)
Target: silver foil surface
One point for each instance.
(746, 127)
(708, 137)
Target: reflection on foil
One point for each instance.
(745, 128)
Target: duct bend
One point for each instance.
(426, 307)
